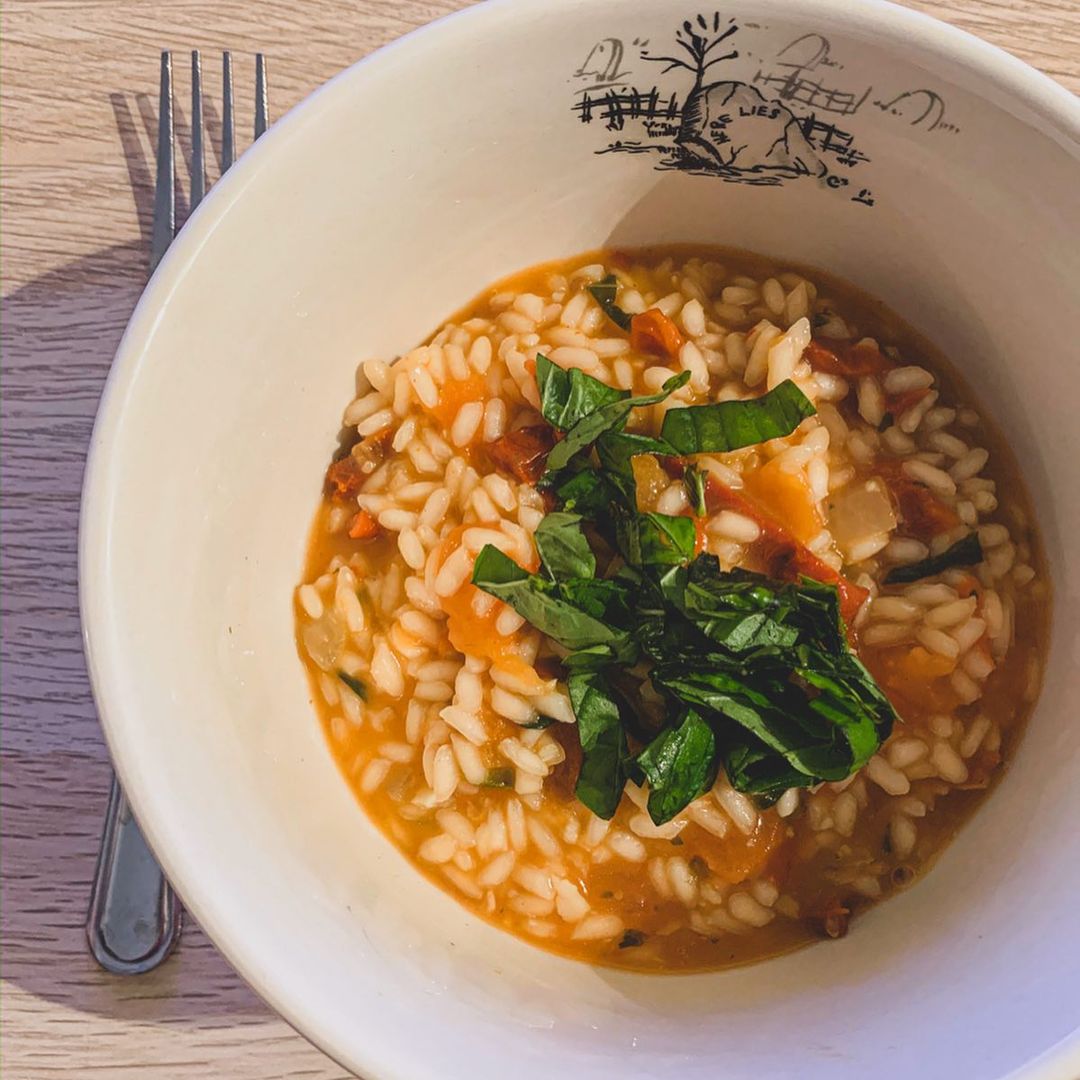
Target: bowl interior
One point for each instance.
(351, 231)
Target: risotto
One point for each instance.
(668, 607)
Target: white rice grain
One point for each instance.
(937, 641)
(902, 380)
(469, 760)
(373, 775)
(971, 463)
(534, 880)
(454, 573)
(466, 723)
(871, 401)
(949, 765)
(467, 423)
(738, 807)
(512, 707)
(938, 481)
(437, 849)
(386, 671)
(444, 773)
(424, 385)
(890, 780)
(310, 601)
(974, 735)
(522, 758)
(896, 608)
(904, 550)
(747, 910)
(569, 903)
(626, 846)
(496, 871)
(734, 526)
(946, 615)
(597, 927)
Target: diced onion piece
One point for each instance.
(858, 512)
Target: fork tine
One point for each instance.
(261, 102)
(165, 195)
(198, 162)
(228, 128)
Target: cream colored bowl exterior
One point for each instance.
(367, 215)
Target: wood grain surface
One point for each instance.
(78, 119)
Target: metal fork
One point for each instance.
(135, 919)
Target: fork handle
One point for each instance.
(134, 918)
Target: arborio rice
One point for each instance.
(449, 713)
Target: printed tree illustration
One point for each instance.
(728, 126)
(698, 39)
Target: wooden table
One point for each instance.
(79, 81)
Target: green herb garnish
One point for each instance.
(539, 723)
(603, 742)
(631, 939)
(694, 482)
(729, 425)
(603, 293)
(680, 764)
(756, 674)
(542, 602)
(502, 777)
(563, 549)
(608, 417)
(965, 552)
(568, 396)
(354, 684)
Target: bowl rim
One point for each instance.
(382, 1059)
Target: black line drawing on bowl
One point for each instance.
(792, 80)
(719, 125)
(603, 64)
(919, 108)
(785, 122)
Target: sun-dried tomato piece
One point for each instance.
(344, 477)
(523, 452)
(654, 333)
(846, 358)
(363, 526)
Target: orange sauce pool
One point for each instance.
(802, 858)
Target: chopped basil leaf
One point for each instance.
(730, 425)
(762, 702)
(502, 777)
(606, 418)
(563, 548)
(603, 293)
(965, 552)
(604, 751)
(566, 396)
(537, 600)
(660, 540)
(616, 449)
(354, 684)
(604, 599)
(694, 482)
(585, 491)
(739, 611)
(680, 764)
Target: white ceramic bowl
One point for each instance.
(352, 229)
